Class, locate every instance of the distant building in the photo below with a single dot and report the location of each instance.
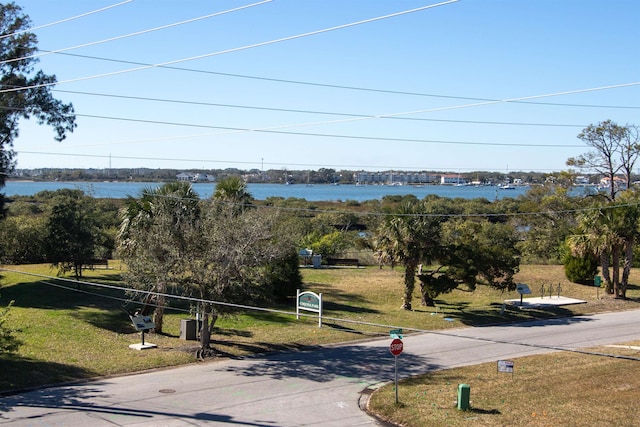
(194, 177)
(452, 180)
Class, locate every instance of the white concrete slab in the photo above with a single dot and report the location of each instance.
(140, 346)
(546, 301)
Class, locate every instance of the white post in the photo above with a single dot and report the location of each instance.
(320, 310)
(298, 304)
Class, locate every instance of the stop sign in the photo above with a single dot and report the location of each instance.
(396, 347)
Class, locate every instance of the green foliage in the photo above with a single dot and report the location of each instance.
(22, 240)
(580, 269)
(8, 342)
(17, 62)
(332, 244)
(283, 276)
(71, 234)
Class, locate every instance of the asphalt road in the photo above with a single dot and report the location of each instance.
(308, 388)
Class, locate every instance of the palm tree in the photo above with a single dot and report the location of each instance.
(408, 236)
(233, 189)
(609, 231)
(153, 239)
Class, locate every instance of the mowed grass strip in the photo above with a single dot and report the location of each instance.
(559, 389)
(82, 332)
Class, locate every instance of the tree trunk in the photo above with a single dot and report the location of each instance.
(409, 283)
(628, 263)
(158, 314)
(205, 332)
(207, 329)
(616, 269)
(604, 262)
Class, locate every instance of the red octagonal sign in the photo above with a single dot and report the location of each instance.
(396, 347)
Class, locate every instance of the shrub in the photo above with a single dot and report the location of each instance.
(580, 269)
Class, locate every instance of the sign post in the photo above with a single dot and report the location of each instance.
(142, 324)
(523, 290)
(396, 348)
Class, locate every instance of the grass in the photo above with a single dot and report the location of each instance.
(68, 335)
(559, 389)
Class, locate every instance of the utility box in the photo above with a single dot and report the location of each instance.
(317, 261)
(188, 329)
(464, 394)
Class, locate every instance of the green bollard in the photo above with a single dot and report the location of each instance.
(464, 393)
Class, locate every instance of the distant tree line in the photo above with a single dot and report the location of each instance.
(272, 176)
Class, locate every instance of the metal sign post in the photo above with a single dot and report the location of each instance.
(396, 348)
(142, 324)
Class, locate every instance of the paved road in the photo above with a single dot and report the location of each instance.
(310, 388)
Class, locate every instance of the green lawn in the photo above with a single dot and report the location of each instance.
(69, 335)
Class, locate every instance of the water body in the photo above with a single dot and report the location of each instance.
(360, 193)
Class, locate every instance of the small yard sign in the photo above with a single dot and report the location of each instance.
(505, 366)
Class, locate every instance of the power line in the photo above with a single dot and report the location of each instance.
(65, 20)
(355, 88)
(137, 33)
(287, 110)
(231, 50)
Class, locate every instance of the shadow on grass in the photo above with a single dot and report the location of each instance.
(23, 373)
(508, 315)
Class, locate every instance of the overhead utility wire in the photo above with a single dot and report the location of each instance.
(137, 33)
(237, 49)
(453, 107)
(288, 110)
(277, 129)
(66, 19)
(328, 135)
(356, 88)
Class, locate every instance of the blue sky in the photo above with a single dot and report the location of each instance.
(417, 91)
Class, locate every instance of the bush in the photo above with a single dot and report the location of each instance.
(8, 342)
(580, 269)
(284, 278)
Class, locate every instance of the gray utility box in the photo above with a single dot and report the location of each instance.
(188, 329)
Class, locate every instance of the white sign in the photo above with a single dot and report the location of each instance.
(505, 366)
(523, 289)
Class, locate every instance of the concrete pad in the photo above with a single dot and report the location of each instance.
(141, 346)
(546, 301)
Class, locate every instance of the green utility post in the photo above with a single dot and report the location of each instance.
(464, 393)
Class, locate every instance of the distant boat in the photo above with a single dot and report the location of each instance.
(507, 187)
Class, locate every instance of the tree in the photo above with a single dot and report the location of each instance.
(616, 149)
(233, 189)
(473, 251)
(238, 258)
(25, 92)
(154, 240)
(609, 231)
(71, 234)
(543, 235)
(408, 236)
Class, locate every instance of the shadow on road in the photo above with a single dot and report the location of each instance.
(370, 364)
(78, 399)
